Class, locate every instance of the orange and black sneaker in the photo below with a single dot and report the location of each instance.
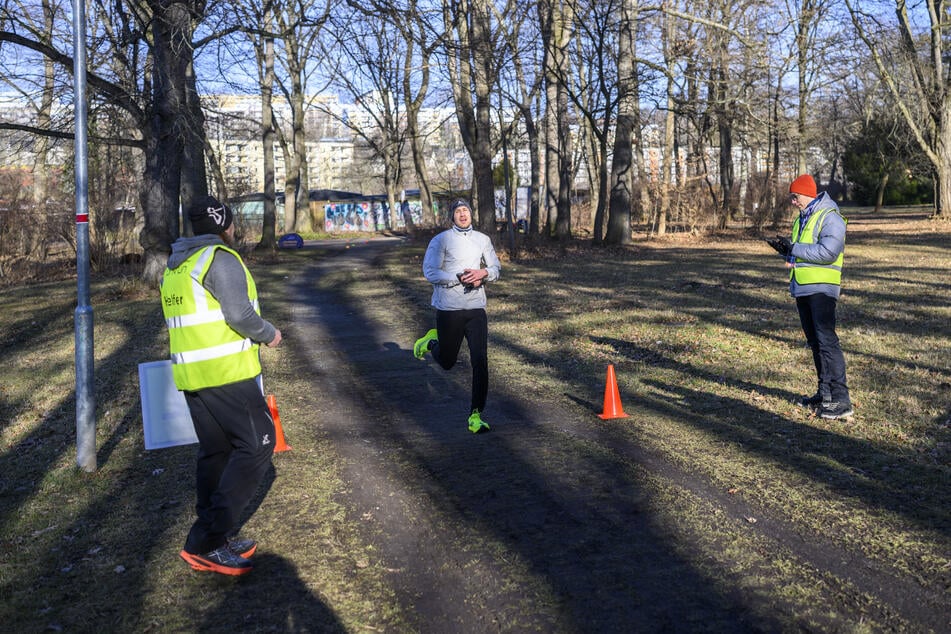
(243, 547)
(222, 560)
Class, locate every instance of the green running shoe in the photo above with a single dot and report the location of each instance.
(421, 347)
(476, 424)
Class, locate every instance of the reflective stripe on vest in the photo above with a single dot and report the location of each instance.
(205, 350)
(811, 272)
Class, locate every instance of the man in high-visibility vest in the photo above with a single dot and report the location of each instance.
(210, 303)
(814, 256)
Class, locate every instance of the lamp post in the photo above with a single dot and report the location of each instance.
(85, 383)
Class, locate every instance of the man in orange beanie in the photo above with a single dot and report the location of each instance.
(814, 256)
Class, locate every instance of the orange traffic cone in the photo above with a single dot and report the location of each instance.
(281, 444)
(612, 398)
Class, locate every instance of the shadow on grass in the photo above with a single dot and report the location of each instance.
(272, 598)
(588, 531)
(859, 469)
(851, 467)
(111, 565)
(746, 294)
(867, 471)
(36, 455)
(608, 561)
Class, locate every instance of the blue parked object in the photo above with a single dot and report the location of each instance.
(289, 240)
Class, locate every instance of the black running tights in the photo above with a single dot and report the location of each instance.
(473, 325)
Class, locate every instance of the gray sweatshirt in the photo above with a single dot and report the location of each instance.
(226, 281)
(450, 253)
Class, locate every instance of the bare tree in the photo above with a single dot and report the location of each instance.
(619, 224)
(520, 33)
(925, 101)
(152, 94)
(370, 68)
(470, 52)
(298, 28)
(711, 60)
(593, 93)
(262, 42)
(421, 38)
(723, 106)
(810, 42)
(556, 18)
(671, 53)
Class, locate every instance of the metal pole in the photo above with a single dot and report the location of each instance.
(85, 396)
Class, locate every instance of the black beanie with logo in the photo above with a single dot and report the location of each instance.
(208, 215)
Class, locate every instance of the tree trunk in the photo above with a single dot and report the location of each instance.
(556, 18)
(725, 130)
(299, 145)
(880, 192)
(774, 191)
(470, 66)
(943, 167)
(483, 61)
(724, 122)
(194, 176)
(268, 235)
(413, 104)
(563, 220)
(596, 160)
(536, 178)
(669, 160)
(291, 186)
(551, 154)
(619, 220)
(161, 183)
(669, 149)
(294, 145)
(803, 50)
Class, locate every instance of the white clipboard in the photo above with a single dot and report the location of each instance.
(165, 416)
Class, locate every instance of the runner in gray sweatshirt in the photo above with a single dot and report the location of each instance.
(458, 263)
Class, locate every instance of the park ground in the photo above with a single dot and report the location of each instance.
(715, 504)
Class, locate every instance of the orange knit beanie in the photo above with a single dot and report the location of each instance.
(804, 185)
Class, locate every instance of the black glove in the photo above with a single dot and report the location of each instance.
(467, 287)
(782, 245)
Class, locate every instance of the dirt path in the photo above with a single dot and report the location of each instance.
(546, 523)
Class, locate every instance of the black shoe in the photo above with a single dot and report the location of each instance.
(833, 411)
(813, 401)
(222, 560)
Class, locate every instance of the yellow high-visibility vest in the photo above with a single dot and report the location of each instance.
(811, 272)
(205, 350)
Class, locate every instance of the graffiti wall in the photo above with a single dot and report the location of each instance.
(415, 208)
(349, 216)
(367, 215)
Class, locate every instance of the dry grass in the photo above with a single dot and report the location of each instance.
(707, 347)
(709, 360)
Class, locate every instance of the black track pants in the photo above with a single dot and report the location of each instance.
(236, 439)
(472, 325)
(817, 315)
